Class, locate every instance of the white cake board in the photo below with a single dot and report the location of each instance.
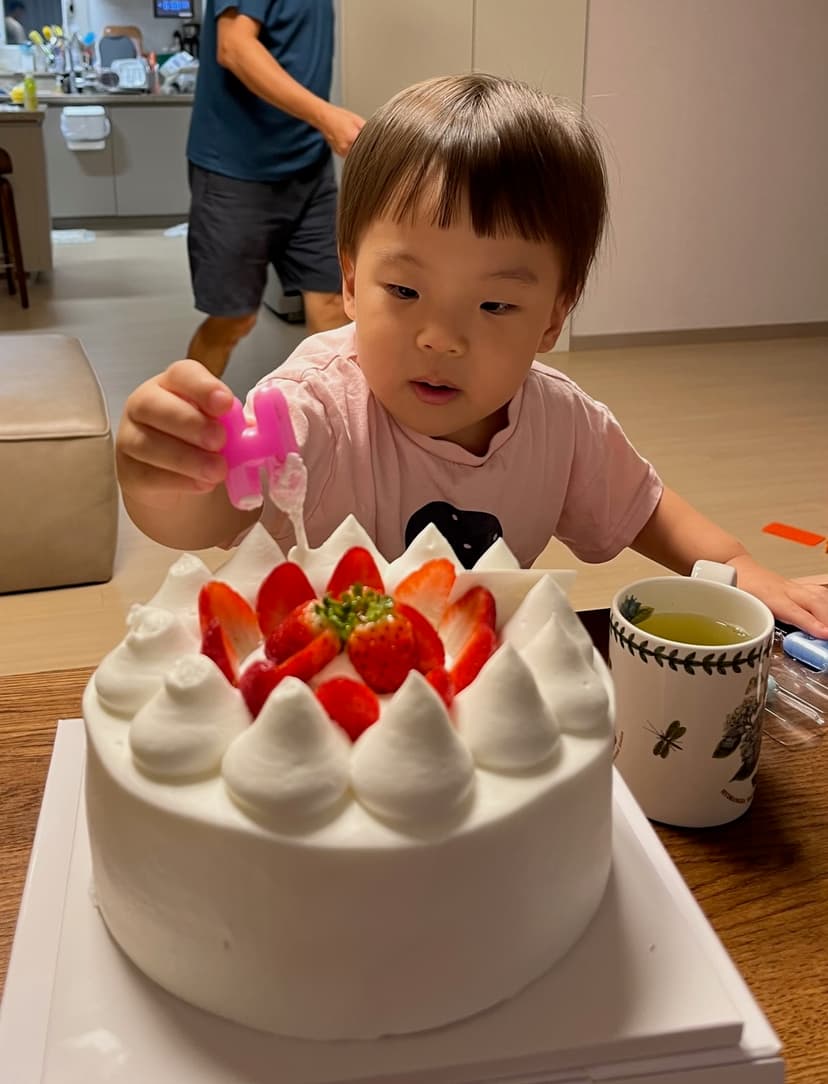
(647, 996)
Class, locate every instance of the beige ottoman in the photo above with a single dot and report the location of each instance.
(58, 495)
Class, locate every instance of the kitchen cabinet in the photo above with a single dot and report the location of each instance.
(21, 136)
(81, 183)
(140, 172)
(150, 164)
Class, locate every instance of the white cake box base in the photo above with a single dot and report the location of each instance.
(647, 996)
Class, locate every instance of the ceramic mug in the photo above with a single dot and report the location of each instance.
(688, 716)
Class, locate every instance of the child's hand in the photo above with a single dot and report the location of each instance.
(169, 440)
(802, 604)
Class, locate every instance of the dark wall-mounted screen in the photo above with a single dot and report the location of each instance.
(173, 9)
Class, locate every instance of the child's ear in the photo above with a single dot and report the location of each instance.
(559, 313)
(348, 272)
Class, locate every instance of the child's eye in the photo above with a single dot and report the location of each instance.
(404, 293)
(497, 308)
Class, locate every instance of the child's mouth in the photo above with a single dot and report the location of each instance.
(434, 394)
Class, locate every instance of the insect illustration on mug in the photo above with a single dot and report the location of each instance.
(667, 739)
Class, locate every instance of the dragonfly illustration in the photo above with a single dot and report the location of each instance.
(667, 739)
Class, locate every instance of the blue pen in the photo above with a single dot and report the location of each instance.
(807, 649)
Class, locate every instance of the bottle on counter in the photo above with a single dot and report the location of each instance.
(29, 93)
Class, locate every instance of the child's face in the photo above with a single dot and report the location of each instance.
(448, 323)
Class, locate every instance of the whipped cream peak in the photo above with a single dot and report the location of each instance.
(503, 718)
(498, 556)
(133, 671)
(429, 545)
(292, 762)
(546, 598)
(179, 591)
(184, 729)
(572, 687)
(319, 563)
(256, 555)
(411, 767)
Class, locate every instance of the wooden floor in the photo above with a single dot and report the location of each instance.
(739, 429)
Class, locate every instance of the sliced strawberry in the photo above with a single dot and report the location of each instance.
(356, 567)
(260, 679)
(257, 683)
(475, 607)
(383, 649)
(430, 653)
(218, 601)
(350, 704)
(473, 655)
(300, 626)
(281, 592)
(427, 589)
(440, 680)
(216, 645)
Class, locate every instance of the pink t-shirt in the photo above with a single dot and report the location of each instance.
(562, 466)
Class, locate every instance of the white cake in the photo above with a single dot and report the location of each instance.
(282, 876)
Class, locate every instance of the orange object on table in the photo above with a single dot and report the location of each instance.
(794, 534)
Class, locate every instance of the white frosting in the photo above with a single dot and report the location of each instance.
(411, 766)
(250, 562)
(134, 670)
(260, 886)
(179, 591)
(503, 718)
(184, 729)
(545, 599)
(288, 486)
(293, 761)
(568, 682)
(320, 563)
(497, 556)
(429, 545)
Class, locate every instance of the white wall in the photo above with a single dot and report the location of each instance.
(94, 15)
(714, 113)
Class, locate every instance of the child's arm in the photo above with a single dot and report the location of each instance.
(677, 535)
(169, 464)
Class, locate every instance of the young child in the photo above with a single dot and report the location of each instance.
(471, 209)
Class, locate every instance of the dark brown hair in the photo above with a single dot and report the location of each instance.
(521, 162)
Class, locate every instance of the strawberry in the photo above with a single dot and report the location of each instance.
(476, 650)
(218, 602)
(281, 592)
(350, 704)
(440, 680)
(430, 653)
(475, 607)
(427, 589)
(216, 645)
(356, 567)
(296, 630)
(259, 680)
(381, 643)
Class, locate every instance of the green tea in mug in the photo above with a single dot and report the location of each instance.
(697, 629)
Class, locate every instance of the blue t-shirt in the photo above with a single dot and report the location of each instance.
(236, 133)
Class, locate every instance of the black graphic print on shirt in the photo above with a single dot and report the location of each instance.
(468, 533)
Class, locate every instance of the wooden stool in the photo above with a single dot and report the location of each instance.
(10, 234)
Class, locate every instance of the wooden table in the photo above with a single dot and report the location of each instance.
(762, 880)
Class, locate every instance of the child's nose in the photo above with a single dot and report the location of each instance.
(438, 337)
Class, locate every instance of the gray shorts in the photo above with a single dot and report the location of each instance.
(237, 227)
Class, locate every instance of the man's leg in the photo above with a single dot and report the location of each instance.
(216, 338)
(230, 230)
(323, 312)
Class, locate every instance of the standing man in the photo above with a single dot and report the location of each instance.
(261, 172)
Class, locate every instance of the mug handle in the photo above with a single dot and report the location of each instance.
(713, 570)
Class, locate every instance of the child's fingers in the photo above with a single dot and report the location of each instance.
(161, 409)
(152, 448)
(190, 380)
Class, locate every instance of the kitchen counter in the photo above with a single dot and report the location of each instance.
(126, 98)
(16, 114)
